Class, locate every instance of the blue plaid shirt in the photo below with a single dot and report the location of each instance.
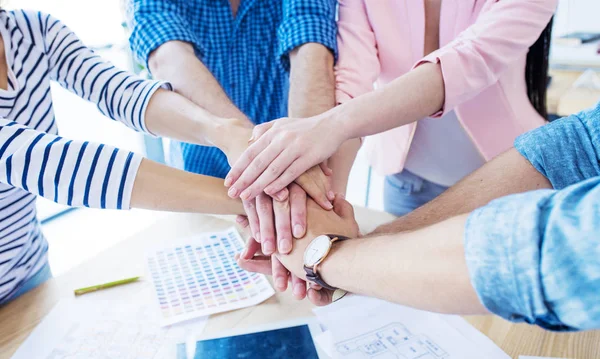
(535, 257)
(247, 54)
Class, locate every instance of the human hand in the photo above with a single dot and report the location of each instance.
(339, 221)
(315, 182)
(252, 259)
(274, 223)
(281, 152)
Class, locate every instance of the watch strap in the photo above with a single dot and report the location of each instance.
(312, 273)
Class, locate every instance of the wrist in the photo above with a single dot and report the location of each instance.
(338, 124)
(336, 269)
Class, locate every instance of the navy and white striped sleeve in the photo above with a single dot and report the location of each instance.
(74, 173)
(119, 94)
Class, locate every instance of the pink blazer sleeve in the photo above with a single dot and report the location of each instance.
(358, 66)
(501, 35)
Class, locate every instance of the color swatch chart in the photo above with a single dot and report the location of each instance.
(200, 276)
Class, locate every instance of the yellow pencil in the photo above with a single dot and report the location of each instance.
(105, 285)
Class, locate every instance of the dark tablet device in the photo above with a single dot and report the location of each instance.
(291, 343)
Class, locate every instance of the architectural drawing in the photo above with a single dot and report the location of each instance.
(393, 341)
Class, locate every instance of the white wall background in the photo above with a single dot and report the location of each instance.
(577, 15)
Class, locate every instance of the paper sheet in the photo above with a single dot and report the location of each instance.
(325, 342)
(87, 328)
(530, 357)
(364, 327)
(198, 276)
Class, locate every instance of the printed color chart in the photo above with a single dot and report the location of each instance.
(200, 277)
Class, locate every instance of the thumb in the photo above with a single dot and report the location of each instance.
(325, 168)
(342, 207)
(260, 130)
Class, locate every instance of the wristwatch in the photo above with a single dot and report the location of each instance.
(315, 254)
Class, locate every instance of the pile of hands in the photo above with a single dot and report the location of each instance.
(282, 222)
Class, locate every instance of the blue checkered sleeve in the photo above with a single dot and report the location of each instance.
(154, 22)
(306, 21)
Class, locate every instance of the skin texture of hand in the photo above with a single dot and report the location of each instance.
(275, 222)
(281, 152)
(339, 221)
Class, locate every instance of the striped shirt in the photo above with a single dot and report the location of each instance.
(34, 160)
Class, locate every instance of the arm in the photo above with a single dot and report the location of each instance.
(86, 174)
(529, 257)
(166, 63)
(444, 79)
(430, 261)
(163, 188)
(312, 91)
(161, 38)
(140, 104)
(308, 47)
(557, 155)
(456, 73)
(474, 191)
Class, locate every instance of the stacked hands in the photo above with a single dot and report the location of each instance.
(283, 203)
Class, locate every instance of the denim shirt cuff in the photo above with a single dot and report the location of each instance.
(503, 255)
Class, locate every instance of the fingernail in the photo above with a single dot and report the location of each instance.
(237, 256)
(280, 283)
(239, 219)
(243, 254)
(227, 182)
(280, 197)
(268, 247)
(329, 205)
(232, 192)
(298, 231)
(331, 195)
(257, 237)
(297, 289)
(245, 195)
(285, 246)
(342, 196)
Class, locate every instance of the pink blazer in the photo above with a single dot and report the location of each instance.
(483, 51)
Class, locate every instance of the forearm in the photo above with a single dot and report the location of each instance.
(312, 81)
(176, 62)
(312, 92)
(173, 116)
(159, 187)
(411, 97)
(506, 174)
(425, 269)
(341, 163)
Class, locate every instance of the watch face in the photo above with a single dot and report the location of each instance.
(317, 249)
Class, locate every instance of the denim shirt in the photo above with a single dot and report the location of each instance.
(535, 257)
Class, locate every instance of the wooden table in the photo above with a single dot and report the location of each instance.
(19, 318)
(563, 99)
